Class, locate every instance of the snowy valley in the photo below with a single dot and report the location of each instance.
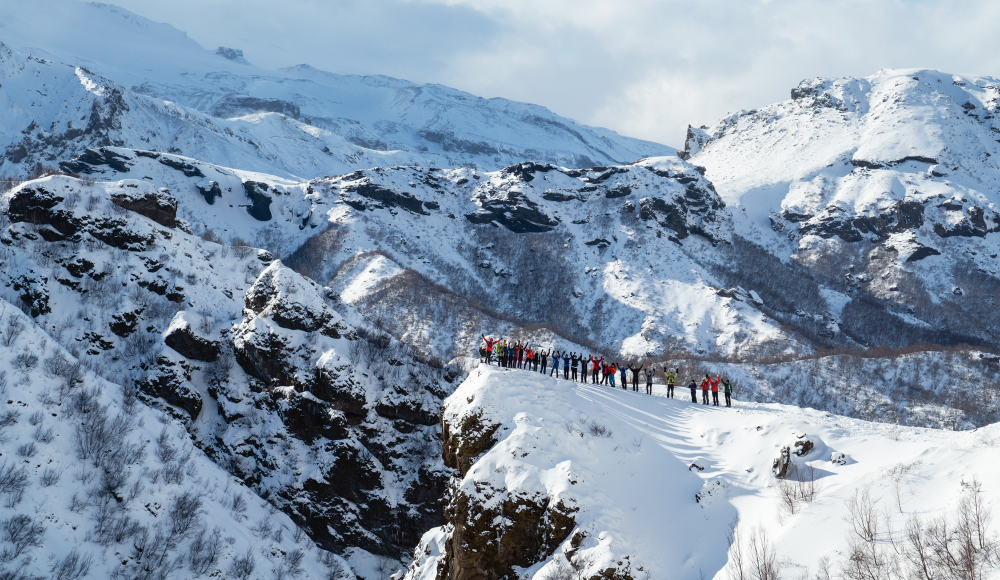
(240, 312)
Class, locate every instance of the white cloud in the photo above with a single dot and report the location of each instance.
(645, 68)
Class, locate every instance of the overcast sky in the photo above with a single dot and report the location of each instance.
(645, 68)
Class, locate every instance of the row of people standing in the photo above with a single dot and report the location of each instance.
(574, 365)
(510, 354)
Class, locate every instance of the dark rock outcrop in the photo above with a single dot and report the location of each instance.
(260, 208)
(159, 206)
(183, 338)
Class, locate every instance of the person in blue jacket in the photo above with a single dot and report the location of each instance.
(623, 370)
(555, 363)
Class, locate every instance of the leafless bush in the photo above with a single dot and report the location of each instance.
(27, 450)
(50, 477)
(73, 566)
(736, 565)
(13, 481)
(43, 435)
(598, 430)
(238, 506)
(173, 472)
(184, 513)
(165, 452)
(9, 418)
(241, 248)
(204, 550)
(263, 528)
(23, 533)
(243, 566)
(799, 485)
(99, 435)
(762, 558)
(25, 361)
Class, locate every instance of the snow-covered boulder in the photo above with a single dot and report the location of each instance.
(184, 336)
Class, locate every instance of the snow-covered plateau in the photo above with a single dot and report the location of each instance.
(564, 480)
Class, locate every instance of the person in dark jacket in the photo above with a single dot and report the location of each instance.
(635, 377)
(649, 380)
(694, 391)
(624, 371)
(565, 358)
(572, 364)
(545, 360)
(728, 388)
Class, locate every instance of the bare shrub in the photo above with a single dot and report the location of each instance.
(184, 513)
(43, 435)
(762, 558)
(598, 430)
(243, 566)
(36, 418)
(238, 506)
(8, 418)
(50, 476)
(73, 566)
(27, 450)
(23, 533)
(204, 550)
(241, 248)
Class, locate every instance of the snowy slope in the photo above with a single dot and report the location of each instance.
(97, 483)
(562, 480)
(884, 188)
(341, 443)
(298, 121)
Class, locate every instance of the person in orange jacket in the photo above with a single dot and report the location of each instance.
(706, 383)
(715, 390)
(611, 374)
(489, 347)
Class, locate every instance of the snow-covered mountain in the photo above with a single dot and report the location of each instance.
(615, 259)
(96, 74)
(883, 189)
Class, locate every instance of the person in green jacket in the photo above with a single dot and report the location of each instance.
(728, 388)
(671, 379)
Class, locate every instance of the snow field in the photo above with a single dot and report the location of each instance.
(627, 461)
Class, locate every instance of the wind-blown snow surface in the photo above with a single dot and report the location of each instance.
(78, 75)
(104, 479)
(632, 493)
(887, 184)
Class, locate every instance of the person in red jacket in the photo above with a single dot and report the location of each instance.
(489, 347)
(596, 364)
(520, 356)
(529, 355)
(706, 383)
(715, 390)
